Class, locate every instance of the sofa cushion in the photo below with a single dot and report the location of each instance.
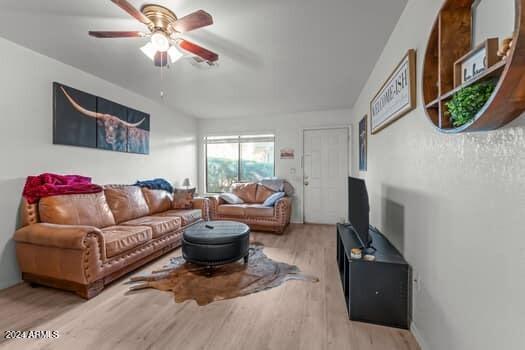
(76, 209)
(263, 193)
(126, 202)
(187, 216)
(159, 225)
(157, 200)
(270, 201)
(230, 198)
(245, 191)
(258, 210)
(120, 239)
(182, 198)
(231, 209)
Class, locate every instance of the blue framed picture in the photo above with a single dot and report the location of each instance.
(363, 143)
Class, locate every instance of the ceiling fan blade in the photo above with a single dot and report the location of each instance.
(195, 49)
(192, 21)
(116, 34)
(161, 59)
(126, 6)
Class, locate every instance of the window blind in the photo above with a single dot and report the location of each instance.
(240, 139)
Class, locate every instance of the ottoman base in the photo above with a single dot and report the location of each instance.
(216, 254)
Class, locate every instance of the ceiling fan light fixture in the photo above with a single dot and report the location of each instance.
(174, 54)
(149, 50)
(164, 27)
(160, 41)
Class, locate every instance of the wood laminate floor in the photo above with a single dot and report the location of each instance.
(296, 315)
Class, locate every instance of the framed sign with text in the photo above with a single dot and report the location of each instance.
(476, 61)
(397, 96)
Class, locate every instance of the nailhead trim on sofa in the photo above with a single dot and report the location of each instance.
(277, 223)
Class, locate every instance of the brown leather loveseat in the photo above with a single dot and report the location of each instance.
(82, 242)
(252, 212)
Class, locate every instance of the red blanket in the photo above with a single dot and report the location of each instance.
(46, 184)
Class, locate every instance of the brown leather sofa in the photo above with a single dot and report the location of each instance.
(252, 212)
(82, 242)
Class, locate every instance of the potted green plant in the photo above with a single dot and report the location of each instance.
(468, 101)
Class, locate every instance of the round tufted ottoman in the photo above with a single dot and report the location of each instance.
(214, 243)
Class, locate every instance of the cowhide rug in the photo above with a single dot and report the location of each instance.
(188, 281)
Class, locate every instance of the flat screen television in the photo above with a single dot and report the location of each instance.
(359, 210)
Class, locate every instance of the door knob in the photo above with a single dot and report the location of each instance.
(306, 183)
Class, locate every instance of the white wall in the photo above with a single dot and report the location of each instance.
(455, 206)
(493, 19)
(26, 143)
(288, 130)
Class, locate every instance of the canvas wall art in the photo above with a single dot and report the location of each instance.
(363, 144)
(71, 126)
(112, 133)
(82, 119)
(138, 137)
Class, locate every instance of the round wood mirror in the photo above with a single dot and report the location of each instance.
(449, 45)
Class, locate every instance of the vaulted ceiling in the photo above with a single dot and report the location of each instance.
(276, 56)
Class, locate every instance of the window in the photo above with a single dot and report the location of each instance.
(231, 159)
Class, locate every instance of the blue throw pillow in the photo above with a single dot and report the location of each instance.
(270, 201)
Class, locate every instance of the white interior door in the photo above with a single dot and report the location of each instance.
(325, 175)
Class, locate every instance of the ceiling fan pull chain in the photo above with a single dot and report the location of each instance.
(161, 79)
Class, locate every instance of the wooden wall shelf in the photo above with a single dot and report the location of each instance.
(450, 40)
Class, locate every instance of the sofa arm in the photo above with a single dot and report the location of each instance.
(204, 205)
(58, 236)
(283, 210)
(215, 201)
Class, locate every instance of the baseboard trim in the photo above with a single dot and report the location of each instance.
(10, 283)
(419, 337)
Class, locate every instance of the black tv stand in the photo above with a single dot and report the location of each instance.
(375, 291)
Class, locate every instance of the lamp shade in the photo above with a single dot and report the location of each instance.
(160, 41)
(174, 54)
(186, 182)
(149, 50)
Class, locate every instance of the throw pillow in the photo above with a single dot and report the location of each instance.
(182, 198)
(230, 198)
(270, 201)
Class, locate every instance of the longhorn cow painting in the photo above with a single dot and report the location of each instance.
(81, 119)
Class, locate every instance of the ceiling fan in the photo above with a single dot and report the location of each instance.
(164, 33)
